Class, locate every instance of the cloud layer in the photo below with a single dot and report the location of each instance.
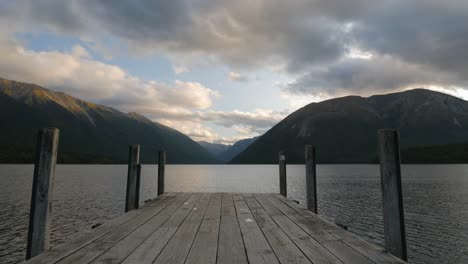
(298, 34)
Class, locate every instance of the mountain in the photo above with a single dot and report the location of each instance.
(89, 133)
(215, 149)
(237, 148)
(344, 130)
(225, 153)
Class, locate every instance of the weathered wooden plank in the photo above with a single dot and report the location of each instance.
(282, 174)
(285, 249)
(325, 239)
(205, 245)
(161, 171)
(133, 188)
(97, 247)
(177, 249)
(392, 200)
(224, 228)
(256, 245)
(311, 178)
(118, 252)
(41, 197)
(314, 251)
(61, 251)
(374, 253)
(149, 250)
(230, 246)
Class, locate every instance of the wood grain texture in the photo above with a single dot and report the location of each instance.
(97, 247)
(314, 251)
(218, 228)
(257, 247)
(150, 249)
(311, 178)
(285, 249)
(370, 251)
(131, 198)
(122, 249)
(205, 245)
(231, 248)
(392, 197)
(179, 246)
(41, 197)
(59, 252)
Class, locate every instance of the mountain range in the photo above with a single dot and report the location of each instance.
(89, 133)
(433, 128)
(225, 152)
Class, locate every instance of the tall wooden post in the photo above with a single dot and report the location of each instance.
(161, 171)
(392, 201)
(282, 173)
(131, 201)
(41, 198)
(311, 178)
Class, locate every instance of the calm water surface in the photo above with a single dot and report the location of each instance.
(435, 199)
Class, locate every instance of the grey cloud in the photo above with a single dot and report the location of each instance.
(369, 75)
(415, 42)
(425, 32)
(241, 33)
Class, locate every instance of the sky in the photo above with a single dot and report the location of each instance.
(225, 70)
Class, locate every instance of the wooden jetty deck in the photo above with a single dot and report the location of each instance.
(217, 228)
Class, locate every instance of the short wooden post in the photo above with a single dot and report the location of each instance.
(282, 173)
(137, 187)
(392, 201)
(161, 171)
(131, 201)
(41, 198)
(311, 178)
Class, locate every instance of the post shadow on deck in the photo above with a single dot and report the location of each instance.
(132, 200)
(392, 201)
(41, 198)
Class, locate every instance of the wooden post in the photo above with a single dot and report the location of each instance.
(161, 170)
(137, 187)
(41, 198)
(311, 178)
(392, 201)
(131, 201)
(282, 174)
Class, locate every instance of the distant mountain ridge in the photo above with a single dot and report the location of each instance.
(344, 130)
(216, 149)
(225, 153)
(89, 133)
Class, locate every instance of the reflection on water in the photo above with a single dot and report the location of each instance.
(435, 199)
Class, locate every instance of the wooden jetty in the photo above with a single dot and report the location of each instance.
(219, 227)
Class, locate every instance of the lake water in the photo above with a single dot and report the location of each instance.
(435, 200)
